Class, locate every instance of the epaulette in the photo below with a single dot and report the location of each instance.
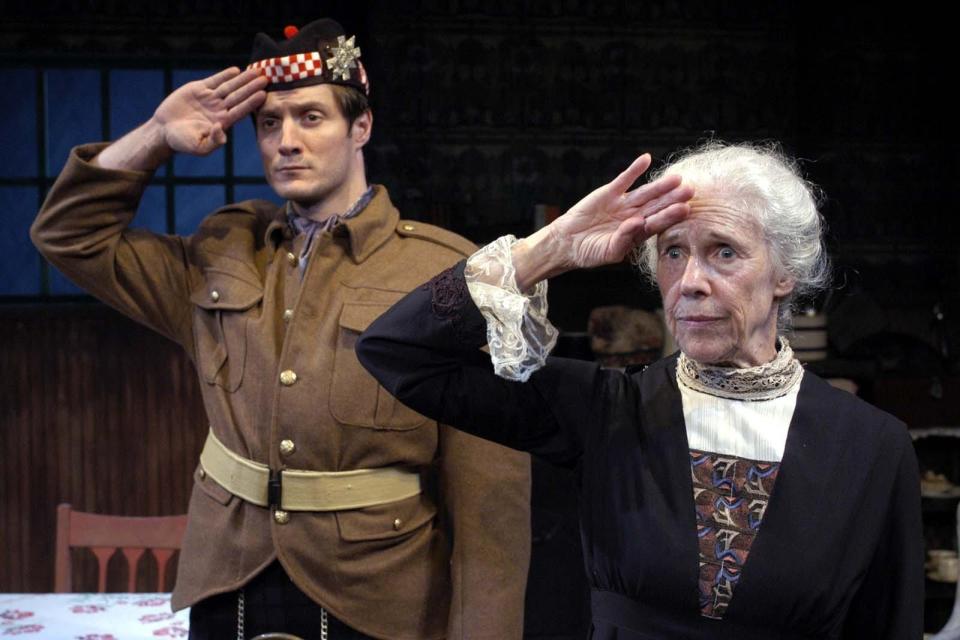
(252, 214)
(263, 209)
(430, 233)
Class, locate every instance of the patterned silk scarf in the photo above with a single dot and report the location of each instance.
(313, 228)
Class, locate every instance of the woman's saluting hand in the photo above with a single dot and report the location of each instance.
(603, 226)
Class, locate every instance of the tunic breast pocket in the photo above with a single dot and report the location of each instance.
(356, 399)
(221, 312)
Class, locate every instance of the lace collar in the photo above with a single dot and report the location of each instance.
(767, 381)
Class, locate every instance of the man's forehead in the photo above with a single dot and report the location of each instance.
(312, 94)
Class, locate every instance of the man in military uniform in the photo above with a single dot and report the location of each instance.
(322, 506)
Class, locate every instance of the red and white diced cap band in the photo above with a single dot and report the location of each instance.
(290, 68)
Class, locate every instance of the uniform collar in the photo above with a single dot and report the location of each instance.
(365, 232)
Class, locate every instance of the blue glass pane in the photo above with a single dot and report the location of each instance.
(73, 113)
(152, 213)
(18, 135)
(246, 156)
(19, 261)
(60, 286)
(243, 192)
(134, 96)
(194, 203)
(186, 165)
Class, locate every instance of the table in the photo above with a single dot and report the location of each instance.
(90, 616)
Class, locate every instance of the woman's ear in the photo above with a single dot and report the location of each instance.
(784, 286)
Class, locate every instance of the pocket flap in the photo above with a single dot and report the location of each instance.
(211, 487)
(226, 291)
(357, 316)
(386, 520)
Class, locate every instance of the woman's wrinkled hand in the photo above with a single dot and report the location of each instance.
(610, 221)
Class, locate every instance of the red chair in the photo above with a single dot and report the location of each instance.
(104, 535)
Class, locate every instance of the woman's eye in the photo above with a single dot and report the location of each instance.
(727, 253)
(672, 252)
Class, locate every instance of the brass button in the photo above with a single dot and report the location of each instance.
(287, 377)
(407, 227)
(397, 524)
(292, 259)
(203, 474)
(281, 517)
(214, 295)
(287, 447)
(287, 315)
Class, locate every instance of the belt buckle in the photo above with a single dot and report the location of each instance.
(275, 489)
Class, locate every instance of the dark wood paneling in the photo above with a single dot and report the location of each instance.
(96, 411)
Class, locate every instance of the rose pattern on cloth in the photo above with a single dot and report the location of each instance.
(23, 629)
(15, 614)
(90, 616)
(88, 608)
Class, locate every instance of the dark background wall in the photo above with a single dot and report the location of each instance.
(482, 111)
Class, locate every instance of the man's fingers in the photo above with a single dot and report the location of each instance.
(244, 91)
(251, 103)
(218, 136)
(238, 82)
(623, 181)
(219, 78)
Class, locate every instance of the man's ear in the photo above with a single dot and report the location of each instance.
(362, 128)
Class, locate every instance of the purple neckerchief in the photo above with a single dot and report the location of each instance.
(300, 224)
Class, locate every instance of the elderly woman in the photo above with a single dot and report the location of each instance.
(725, 491)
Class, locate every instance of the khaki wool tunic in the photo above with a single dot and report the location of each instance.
(274, 353)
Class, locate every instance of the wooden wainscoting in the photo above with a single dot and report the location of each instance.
(96, 411)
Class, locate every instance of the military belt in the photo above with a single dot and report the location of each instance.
(301, 490)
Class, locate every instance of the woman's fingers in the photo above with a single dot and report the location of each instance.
(623, 181)
(641, 195)
(664, 218)
(679, 194)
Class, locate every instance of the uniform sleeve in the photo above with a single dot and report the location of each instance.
(485, 491)
(82, 230)
(425, 350)
(889, 603)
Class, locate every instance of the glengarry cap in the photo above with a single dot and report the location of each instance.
(318, 53)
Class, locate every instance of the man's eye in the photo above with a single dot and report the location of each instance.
(314, 117)
(268, 123)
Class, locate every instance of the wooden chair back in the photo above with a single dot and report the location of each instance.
(105, 534)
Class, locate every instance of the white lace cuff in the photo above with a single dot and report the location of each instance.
(518, 332)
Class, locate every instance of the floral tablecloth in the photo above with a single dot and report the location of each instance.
(90, 616)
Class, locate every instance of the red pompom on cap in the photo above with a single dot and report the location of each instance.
(290, 31)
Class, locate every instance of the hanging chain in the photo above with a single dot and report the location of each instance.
(240, 603)
(240, 621)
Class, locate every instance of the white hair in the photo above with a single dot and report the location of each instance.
(763, 182)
